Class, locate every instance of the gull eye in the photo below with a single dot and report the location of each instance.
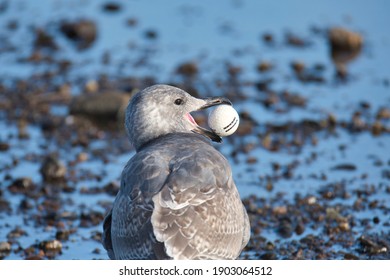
(179, 101)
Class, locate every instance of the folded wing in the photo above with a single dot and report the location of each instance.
(198, 213)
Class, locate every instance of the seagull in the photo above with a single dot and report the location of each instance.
(177, 198)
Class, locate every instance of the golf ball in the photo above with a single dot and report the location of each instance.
(223, 120)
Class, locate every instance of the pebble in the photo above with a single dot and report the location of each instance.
(91, 86)
(5, 249)
(82, 157)
(376, 220)
(311, 200)
(300, 228)
(62, 235)
(4, 146)
(370, 247)
(268, 256)
(298, 66)
(383, 113)
(377, 128)
(16, 233)
(112, 7)
(344, 226)
(188, 69)
(52, 169)
(345, 46)
(5, 205)
(264, 66)
(344, 39)
(96, 251)
(345, 167)
(44, 40)
(82, 32)
(51, 245)
(268, 38)
(23, 185)
(349, 256)
(285, 228)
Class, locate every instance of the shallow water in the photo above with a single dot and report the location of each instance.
(212, 34)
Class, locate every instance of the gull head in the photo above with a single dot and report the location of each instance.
(163, 109)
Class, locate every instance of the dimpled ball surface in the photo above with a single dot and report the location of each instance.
(224, 120)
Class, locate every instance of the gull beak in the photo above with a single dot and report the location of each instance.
(210, 102)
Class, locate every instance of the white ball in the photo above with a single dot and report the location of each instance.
(224, 120)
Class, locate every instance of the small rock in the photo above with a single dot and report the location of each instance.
(267, 141)
(96, 235)
(279, 210)
(4, 146)
(377, 128)
(269, 246)
(111, 188)
(132, 22)
(82, 32)
(82, 157)
(342, 39)
(344, 226)
(269, 186)
(298, 66)
(100, 106)
(345, 167)
(371, 247)
(25, 204)
(92, 86)
(263, 85)
(245, 128)
(44, 40)
(264, 66)
(285, 228)
(16, 233)
(151, 34)
(345, 46)
(293, 99)
(50, 245)
(333, 214)
(188, 69)
(4, 205)
(23, 129)
(268, 38)
(268, 256)
(112, 7)
(349, 256)
(251, 160)
(51, 248)
(294, 40)
(5, 246)
(298, 255)
(23, 185)
(332, 120)
(93, 218)
(300, 228)
(311, 200)
(5, 249)
(96, 251)
(62, 235)
(52, 169)
(33, 253)
(383, 113)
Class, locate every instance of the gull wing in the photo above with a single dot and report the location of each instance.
(198, 213)
(128, 233)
